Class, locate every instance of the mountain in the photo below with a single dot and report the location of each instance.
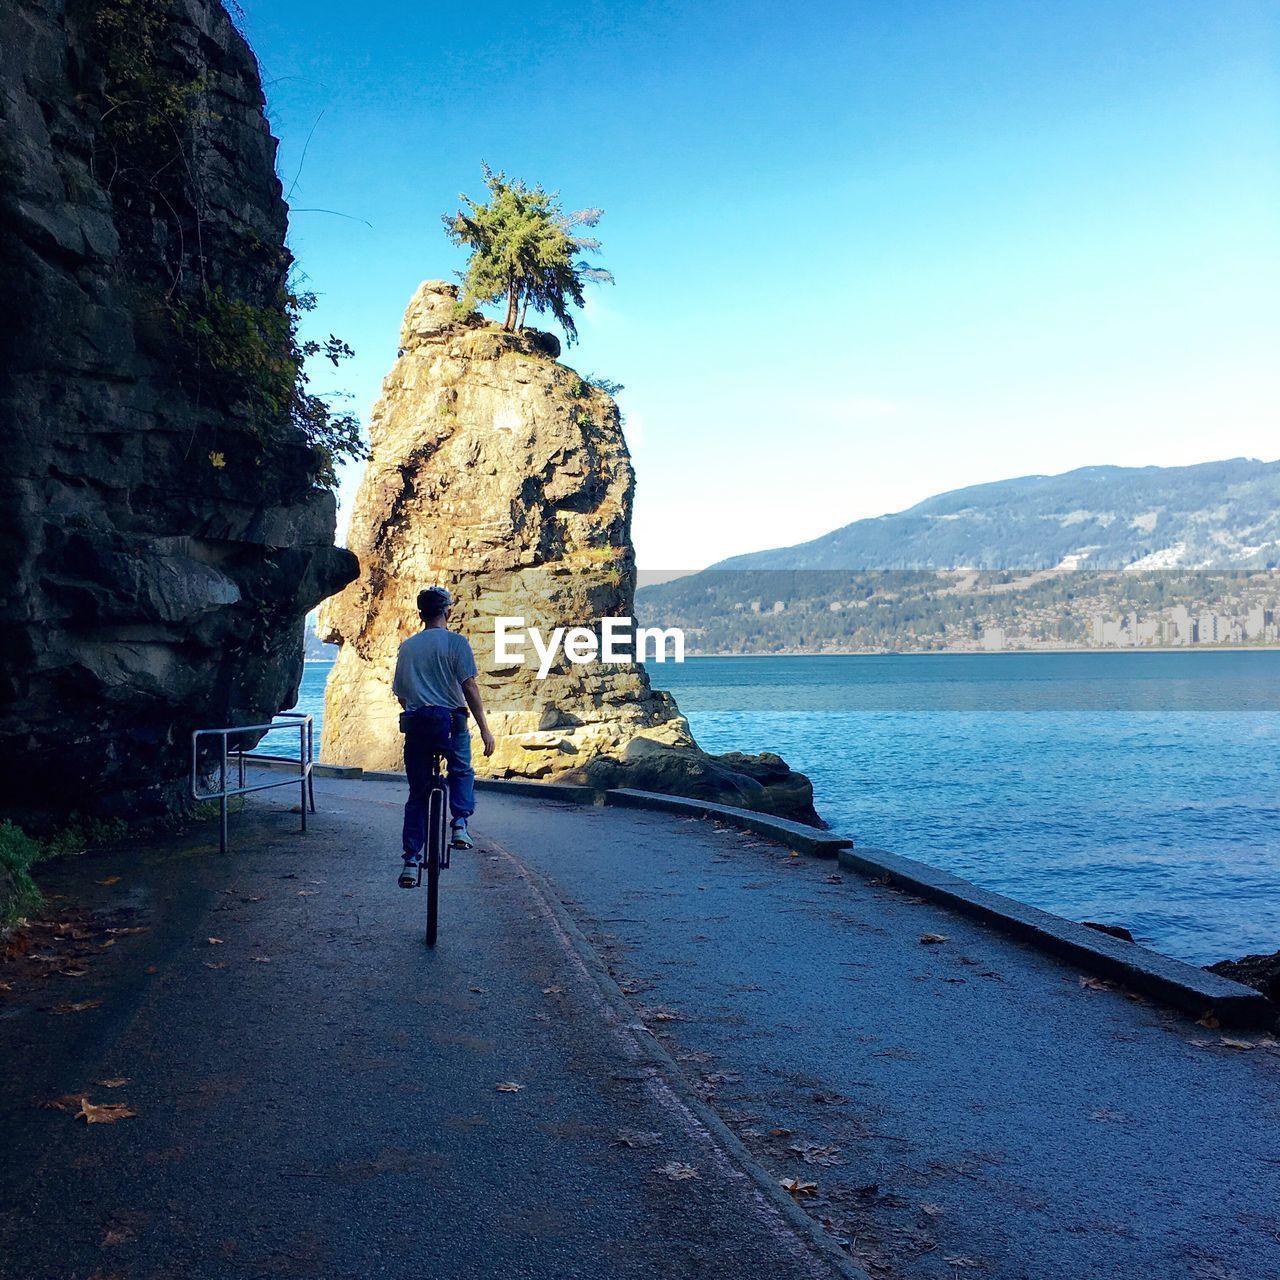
(1221, 515)
(1102, 556)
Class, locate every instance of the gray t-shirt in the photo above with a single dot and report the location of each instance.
(431, 667)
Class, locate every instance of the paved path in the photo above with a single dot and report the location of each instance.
(316, 1092)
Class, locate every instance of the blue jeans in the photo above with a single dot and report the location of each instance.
(417, 764)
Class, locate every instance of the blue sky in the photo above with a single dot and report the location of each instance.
(865, 252)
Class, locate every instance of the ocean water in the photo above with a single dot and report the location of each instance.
(1137, 789)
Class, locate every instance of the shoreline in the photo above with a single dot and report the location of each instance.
(985, 653)
(946, 653)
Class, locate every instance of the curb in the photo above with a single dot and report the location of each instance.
(651, 1047)
(795, 835)
(570, 792)
(1170, 981)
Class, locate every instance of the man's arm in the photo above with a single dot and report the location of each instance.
(471, 691)
(397, 682)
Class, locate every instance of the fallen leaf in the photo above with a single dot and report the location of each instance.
(118, 1235)
(214, 964)
(779, 1133)
(476, 990)
(1095, 984)
(1208, 1021)
(260, 959)
(115, 1082)
(933, 1210)
(104, 1113)
(815, 1153)
(798, 1188)
(306, 893)
(78, 1006)
(508, 1086)
(930, 938)
(6, 986)
(678, 1172)
(637, 1138)
(109, 880)
(835, 879)
(68, 1102)
(215, 942)
(151, 969)
(137, 928)
(254, 899)
(1228, 1043)
(74, 971)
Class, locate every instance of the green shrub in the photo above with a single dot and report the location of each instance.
(18, 892)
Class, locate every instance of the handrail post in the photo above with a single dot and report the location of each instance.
(311, 760)
(302, 771)
(222, 798)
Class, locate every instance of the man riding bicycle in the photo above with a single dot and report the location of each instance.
(436, 678)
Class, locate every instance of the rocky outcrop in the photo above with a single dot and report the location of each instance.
(499, 472)
(161, 546)
(1260, 971)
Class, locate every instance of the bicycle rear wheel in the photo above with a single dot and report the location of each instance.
(437, 833)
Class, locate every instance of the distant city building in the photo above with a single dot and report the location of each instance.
(993, 638)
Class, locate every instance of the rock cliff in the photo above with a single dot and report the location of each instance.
(499, 472)
(162, 539)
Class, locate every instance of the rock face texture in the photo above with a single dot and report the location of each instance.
(499, 472)
(160, 549)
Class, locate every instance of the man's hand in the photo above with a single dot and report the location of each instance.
(486, 739)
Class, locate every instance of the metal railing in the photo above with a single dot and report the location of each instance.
(225, 755)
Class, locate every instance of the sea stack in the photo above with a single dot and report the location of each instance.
(504, 475)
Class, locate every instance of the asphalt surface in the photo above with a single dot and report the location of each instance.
(317, 1093)
(989, 1112)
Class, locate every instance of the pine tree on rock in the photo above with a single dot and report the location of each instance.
(525, 250)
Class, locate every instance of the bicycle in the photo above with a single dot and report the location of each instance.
(437, 842)
(436, 850)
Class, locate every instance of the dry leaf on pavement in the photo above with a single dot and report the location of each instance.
(637, 1138)
(78, 1006)
(678, 1172)
(508, 1086)
(104, 1113)
(815, 1153)
(798, 1188)
(1090, 983)
(928, 938)
(115, 1082)
(215, 942)
(109, 880)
